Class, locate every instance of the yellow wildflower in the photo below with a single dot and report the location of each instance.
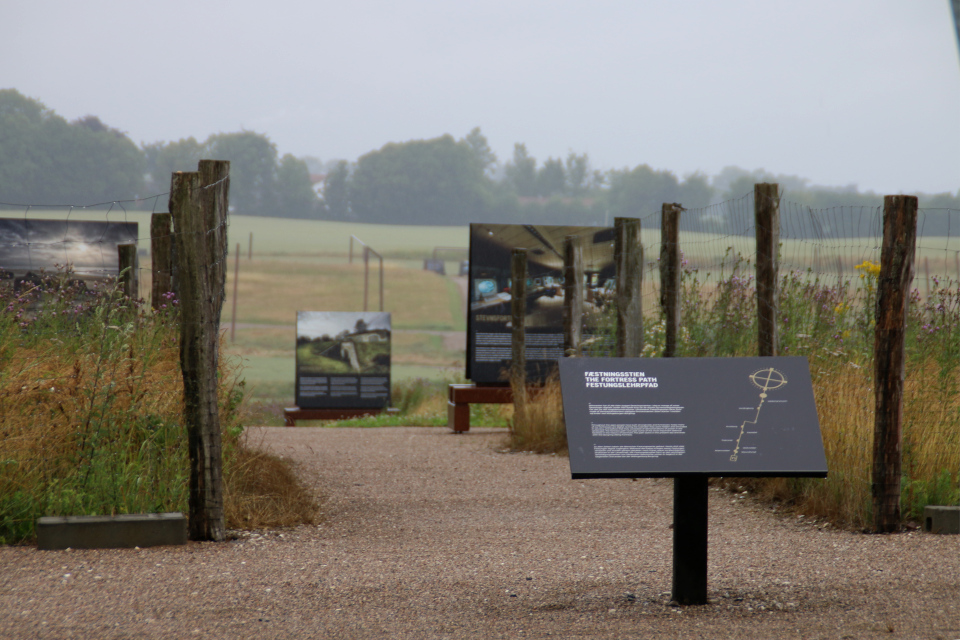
(868, 268)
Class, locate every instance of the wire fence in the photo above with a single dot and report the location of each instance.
(828, 267)
(829, 264)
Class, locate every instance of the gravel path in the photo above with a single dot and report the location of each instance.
(432, 535)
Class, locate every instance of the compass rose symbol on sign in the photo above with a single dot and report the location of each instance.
(765, 380)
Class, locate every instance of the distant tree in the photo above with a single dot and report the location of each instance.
(295, 195)
(434, 181)
(640, 191)
(45, 160)
(521, 171)
(481, 150)
(577, 173)
(164, 158)
(336, 192)
(695, 191)
(361, 326)
(551, 178)
(253, 170)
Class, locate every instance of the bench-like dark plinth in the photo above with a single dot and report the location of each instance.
(461, 396)
(111, 532)
(292, 414)
(937, 519)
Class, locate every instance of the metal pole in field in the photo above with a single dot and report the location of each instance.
(366, 275)
(381, 281)
(236, 279)
(249, 248)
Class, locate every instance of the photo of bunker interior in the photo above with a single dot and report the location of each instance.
(491, 246)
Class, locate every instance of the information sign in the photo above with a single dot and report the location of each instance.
(29, 247)
(489, 319)
(343, 360)
(666, 417)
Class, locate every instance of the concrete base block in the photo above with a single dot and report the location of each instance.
(111, 532)
(941, 519)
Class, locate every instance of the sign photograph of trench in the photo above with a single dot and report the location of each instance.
(488, 321)
(343, 360)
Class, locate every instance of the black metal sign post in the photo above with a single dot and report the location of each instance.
(691, 419)
(690, 539)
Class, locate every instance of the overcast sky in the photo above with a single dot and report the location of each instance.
(863, 92)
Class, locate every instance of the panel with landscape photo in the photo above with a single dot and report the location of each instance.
(343, 360)
(85, 251)
(489, 326)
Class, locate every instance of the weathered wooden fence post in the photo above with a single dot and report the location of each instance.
(198, 203)
(161, 257)
(518, 343)
(572, 295)
(250, 248)
(670, 275)
(893, 297)
(628, 257)
(766, 204)
(127, 261)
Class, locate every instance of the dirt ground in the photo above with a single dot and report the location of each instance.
(433, 535)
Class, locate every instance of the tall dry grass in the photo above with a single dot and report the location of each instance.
(831, 323)
(91, 405)
(540, 427)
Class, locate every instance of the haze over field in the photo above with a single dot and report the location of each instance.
(863, 92)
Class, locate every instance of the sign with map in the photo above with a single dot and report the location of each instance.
(343, 360)
(664, 417)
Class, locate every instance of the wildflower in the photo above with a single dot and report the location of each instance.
(868, 268)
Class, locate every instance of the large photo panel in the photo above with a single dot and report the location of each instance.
(30, 248)
(488, 320)
(343, 360)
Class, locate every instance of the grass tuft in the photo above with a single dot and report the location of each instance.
(92, 402)
(541, 429)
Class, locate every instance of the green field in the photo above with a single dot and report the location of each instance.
(305, 265)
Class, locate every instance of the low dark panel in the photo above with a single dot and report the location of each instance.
(665, 417)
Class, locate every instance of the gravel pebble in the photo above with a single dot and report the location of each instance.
(433, 535)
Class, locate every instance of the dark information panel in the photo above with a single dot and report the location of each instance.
(489, 331)
(343, 360)
(664, 417)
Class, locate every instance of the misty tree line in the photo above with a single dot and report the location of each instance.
(442, 181)
(45, 160)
